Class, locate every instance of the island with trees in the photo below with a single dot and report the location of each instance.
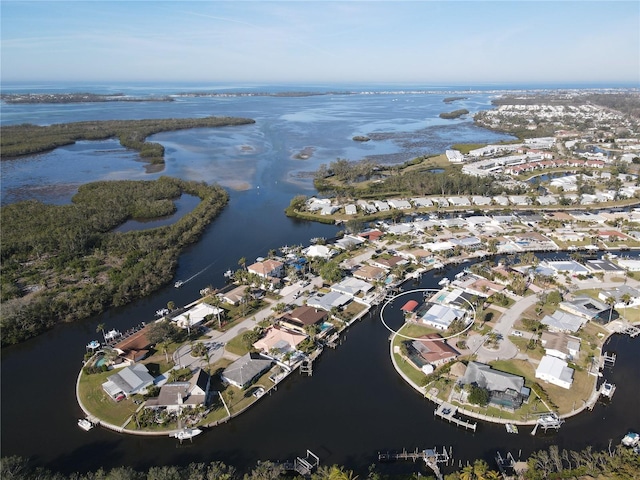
(62, 263)
(28, 139)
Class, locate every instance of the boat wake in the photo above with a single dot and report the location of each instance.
(180, 283)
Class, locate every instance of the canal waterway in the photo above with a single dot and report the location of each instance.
(355, 404)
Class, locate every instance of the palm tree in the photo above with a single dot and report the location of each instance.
(611, 301)
(242, 262)
(626, 299)
(100, 328)
(216, 302)
(480, 469)
(164, 345)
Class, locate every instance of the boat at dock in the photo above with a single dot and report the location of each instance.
(631, 439)
(85, 424)
(607, 389)
(511, 428)
(186, 434)
(444, 281)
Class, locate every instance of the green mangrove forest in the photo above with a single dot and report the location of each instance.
(61, 263)
(28, 139)
(552, 463)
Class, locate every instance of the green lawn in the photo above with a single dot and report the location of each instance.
(237, 346)
(99, 403)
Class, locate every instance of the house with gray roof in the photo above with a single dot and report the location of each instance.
(328, 301)
(177, 395)
(561, 321)
(246, 370)
(505, 389)
(351, 286)
(128, 381)
(589, 309)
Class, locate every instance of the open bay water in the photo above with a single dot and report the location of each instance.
(355, 404)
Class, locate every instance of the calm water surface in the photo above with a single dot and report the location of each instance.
(355, 404)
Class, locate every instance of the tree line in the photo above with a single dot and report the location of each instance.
(28, 139)
(550, 463)
(62, 263)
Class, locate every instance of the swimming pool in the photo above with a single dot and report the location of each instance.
(101, 361)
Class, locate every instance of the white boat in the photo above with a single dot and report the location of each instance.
(186, 434)
(631, 439)
(178, 284)
(85, 424)
(607, 389)
(444, 281)
(511, 428)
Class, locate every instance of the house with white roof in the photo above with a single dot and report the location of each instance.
(454, 156)
(350, 209)
(196, 315)
(555, 371)
(519, 200)
(399, 204)
(422, 202)
(366, 206)
(352, 287)
(501, 200)
(320, 251)
(441, 316)
(480, 200)
(381, 206)
(459, 201)
(348, 242)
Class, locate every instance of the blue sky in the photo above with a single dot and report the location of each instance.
(430, 42)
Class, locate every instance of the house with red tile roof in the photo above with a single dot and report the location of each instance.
(267, 268)
(434, 350)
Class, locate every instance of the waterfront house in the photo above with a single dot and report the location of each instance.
(128, 381)
(196, 315)
(589, 308)
(302, 317)
(388, 262)
(618, 293)
(560, 345)
(267, 268)
(246, 370)
(279, 340)
(370, 273)
(328, 301)
(433, 350)
(133, 347)
(555, 371)
(319, 251)
(441, 316)
(349, 242)
(352, 287)
(505, 389)
(234, 297)
(175, 396)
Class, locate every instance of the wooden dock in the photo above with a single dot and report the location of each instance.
(447, 412)
(608, 359)
(506, 464)
(304, 466)
(547, 421)
(430, 456)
